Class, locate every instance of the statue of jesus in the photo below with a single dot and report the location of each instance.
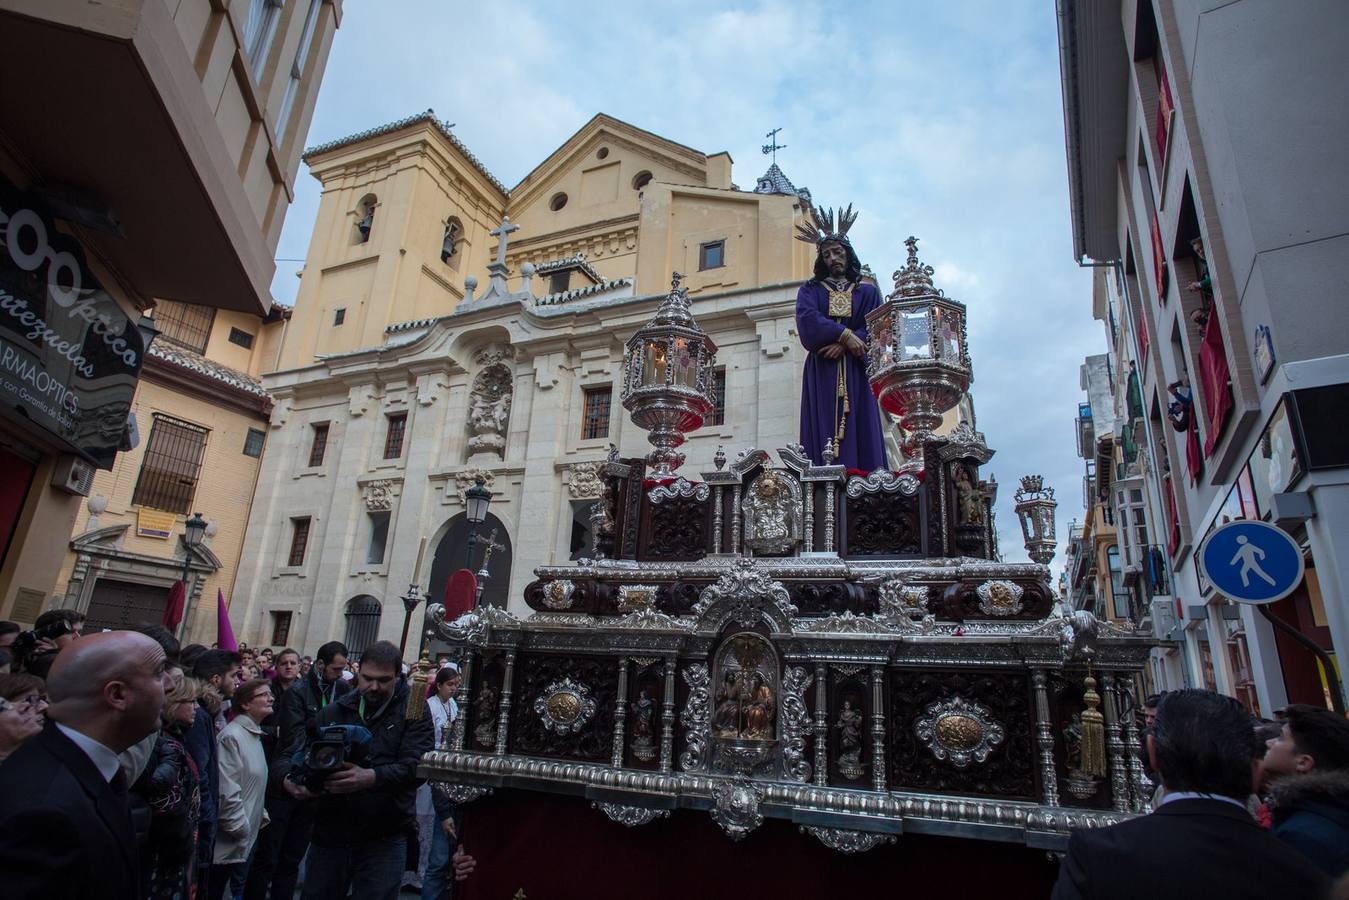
(836, 400)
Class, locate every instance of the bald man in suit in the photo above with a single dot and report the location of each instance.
(65, 826)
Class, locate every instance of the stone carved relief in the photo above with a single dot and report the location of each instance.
(771, 513)
(467, 478)
(489, 405)
(584, 480)
(379, 495)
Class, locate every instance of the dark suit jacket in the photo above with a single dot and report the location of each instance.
(63, 830)
(1190, 850)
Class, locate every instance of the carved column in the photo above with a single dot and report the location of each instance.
(735, 519)
(808, 492)
(829, 546)
(1044, 736)
(1138, 782)
(620, 711)
(504, 716)
(667, 717)
(821, 723)
(878, 727)
(716, 518)
(1119, 784)
(461, 698)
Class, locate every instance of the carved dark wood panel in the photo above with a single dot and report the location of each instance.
(831, 598)
(533, 675)
(630, 504)
(884, 525)
(675, 529)
(1009, 770)
(678, 598)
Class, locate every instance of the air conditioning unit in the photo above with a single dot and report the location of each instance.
(73, 475)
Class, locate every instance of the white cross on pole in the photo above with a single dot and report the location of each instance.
(502, 232)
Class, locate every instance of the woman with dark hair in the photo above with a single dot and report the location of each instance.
(243, 784)
(23, 704)
(171, 787)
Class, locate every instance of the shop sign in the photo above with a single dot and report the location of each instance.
(69, 355)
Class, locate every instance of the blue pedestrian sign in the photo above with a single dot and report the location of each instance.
(1252, 562)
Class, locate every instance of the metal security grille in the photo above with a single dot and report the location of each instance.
(168, 476)
(320, 445)
(597, 403)
(299, 541)
(718, 398)
(362, 624)
(281, 628)
(393, 439)
(185, 324)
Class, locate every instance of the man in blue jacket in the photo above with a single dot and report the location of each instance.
(1307, 768)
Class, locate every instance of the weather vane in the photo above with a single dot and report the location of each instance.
(773, 147)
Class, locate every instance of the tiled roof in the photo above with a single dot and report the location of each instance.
(428, 116)
(396, 327)
(774, 181)
(578, 293)
(569, 262)
(195, 362)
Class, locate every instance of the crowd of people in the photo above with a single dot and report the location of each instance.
(205, 772)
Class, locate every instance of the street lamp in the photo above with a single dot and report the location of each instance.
(1035, 505)
(476, 501)
(194, 529)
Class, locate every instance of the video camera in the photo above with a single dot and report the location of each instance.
(334, 746)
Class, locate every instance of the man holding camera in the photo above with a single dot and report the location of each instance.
(363, 805)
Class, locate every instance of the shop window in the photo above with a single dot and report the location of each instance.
(393, 436)
(185, 324)
(595, 423)
(299, 541)
(318, 444)
(711, 255)
(172, 464)
(253, 442)
(281, 628)
(379, 538)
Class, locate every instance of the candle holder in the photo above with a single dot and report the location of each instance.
(918, 362)
(667, 379)
(1035, 505)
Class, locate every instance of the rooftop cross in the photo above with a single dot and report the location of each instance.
(502, 232)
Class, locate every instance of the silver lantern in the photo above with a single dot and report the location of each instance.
(1035, 505)
(918, 362)
(667, 379)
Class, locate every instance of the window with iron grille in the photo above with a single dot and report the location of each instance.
(253, 443)
(339, 315)
(168, 476)
(242, 338)
(281, 628)
(596, 421)
(299, 541)
(319, 446)
(718, 416)
(393, 438)
(184, 324)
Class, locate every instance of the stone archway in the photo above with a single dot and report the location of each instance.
(451, 555)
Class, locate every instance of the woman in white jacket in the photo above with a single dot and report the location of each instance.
(243, 787)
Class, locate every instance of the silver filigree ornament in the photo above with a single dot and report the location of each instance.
(565, 706)
(795, 720)
(632, 597)
(696, 718)
(883, 481)
(960, 731)
(748, 596)
(461, 793)
(1000, 598)
(630, 815)
(557, 594)
(737, 807)
(848, 840)
(681, 487)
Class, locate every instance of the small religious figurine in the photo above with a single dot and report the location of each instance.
(770, 515)
(485, 711)
(969, 504)
(726, 719)
(849, 727)
(831, 308)
(644, 714)
(760, 712)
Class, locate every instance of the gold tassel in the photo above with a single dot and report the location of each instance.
(1093, 731)
(842, 394)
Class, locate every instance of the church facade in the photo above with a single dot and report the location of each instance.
(433, 344)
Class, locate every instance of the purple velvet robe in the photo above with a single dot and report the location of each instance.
(863, 445)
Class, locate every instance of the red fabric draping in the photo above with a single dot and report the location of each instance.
(649, 483)
(1143, 342)
(560, 848)
(224, 634)
(1215, 392)
(1165, 107)
(461, 593)
(1159, 260)
(173, 611)
(1172, 518)
(1194, 457)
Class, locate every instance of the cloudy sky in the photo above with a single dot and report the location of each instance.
(943, 120)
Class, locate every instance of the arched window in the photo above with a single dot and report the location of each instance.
(641, 180)
(450, 240)
(363, 613)
(365, 223)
